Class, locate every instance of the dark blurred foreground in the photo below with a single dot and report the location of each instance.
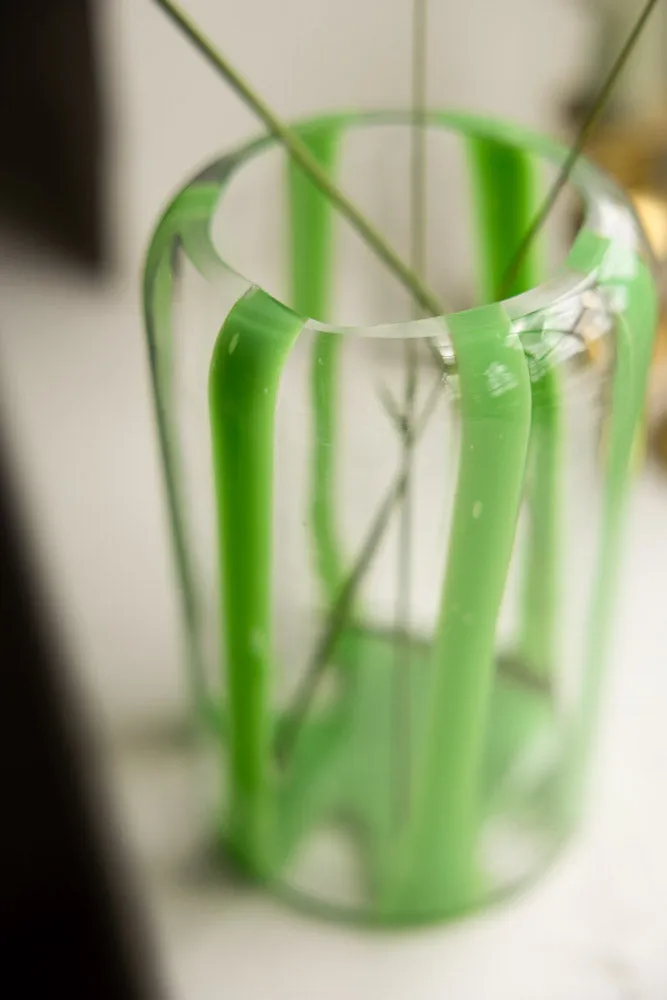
(68, 923)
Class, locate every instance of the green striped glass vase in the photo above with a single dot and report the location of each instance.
(396, 536)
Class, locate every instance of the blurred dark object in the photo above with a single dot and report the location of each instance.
(52, 125)
(68, 923)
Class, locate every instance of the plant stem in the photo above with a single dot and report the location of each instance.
(418, 196)
(578, 147)
(301, 155)
(418, 136)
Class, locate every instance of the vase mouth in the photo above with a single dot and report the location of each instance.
(609, 234)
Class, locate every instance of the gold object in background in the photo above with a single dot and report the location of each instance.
(630, 143)
(634, 154)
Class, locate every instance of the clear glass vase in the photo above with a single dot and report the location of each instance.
(396, 536)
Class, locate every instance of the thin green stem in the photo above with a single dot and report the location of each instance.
(390, 406)
(418, 137)
(418, 196)
(301, 155)
(577, 149)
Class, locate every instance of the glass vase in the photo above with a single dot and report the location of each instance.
(396, 535)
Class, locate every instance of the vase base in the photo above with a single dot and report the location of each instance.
(344, 805)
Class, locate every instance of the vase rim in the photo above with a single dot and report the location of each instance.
(609, 235)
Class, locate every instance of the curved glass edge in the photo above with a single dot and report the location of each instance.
(610, 229)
